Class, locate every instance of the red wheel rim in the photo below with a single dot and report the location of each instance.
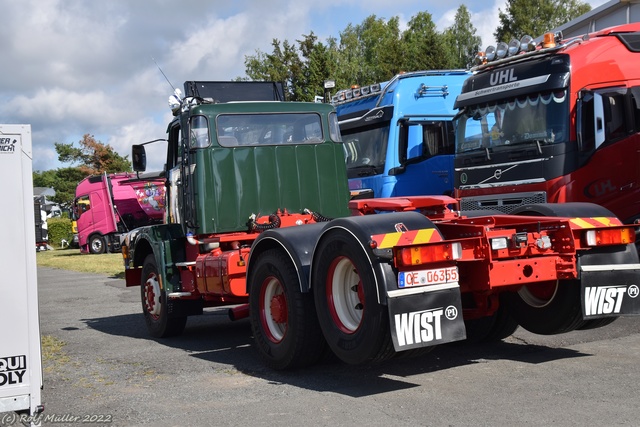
(152, 296)
(540, 294)
(345, 295)
(273, 310)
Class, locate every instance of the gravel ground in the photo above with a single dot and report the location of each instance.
(109, 370)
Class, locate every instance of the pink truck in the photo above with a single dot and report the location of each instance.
(109, 205)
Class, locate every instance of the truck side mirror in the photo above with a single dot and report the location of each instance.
(139, 158)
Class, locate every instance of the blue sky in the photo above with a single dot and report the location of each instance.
(71, 67)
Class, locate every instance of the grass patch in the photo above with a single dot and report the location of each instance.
(53, 355)
(72, 259)
(52, 348)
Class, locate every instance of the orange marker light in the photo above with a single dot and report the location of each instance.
(549, 40)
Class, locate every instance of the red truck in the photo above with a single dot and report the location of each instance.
(556, 121)
(259, 220)
(109, 205)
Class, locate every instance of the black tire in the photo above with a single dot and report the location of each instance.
(354, 324)
(571, 290)
(493, 328)
(504, 326)
(596, 323)
(414, 353)
(97, 244)
(283, 319)
(554, 307)
(154, 304)
(563, 210)
(547, 309)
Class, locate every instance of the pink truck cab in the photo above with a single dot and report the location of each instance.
(109, 205)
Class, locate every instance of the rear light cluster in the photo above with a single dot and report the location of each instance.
(424, 254)
(612, 236)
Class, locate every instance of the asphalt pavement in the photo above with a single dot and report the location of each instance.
(111, 372)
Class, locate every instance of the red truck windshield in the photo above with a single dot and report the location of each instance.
(539, 117)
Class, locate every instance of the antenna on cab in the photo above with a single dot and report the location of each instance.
(175, 100)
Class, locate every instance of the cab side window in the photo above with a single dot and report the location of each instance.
(82, 205)
(608, 115)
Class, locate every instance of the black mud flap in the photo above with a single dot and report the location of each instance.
(610, 290)
(423, 318)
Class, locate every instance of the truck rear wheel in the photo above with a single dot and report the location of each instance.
(354, 324)
(283, 319)
(154, 304)
(596, 323)
(565, 300)
(492, 328)
(547, 308)
(97, 244)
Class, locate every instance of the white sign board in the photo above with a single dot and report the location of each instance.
(20, 356)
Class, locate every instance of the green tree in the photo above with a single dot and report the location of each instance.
(93, 157)
(63, 181)
(349, 59)
(423, 47)
(462, 39)
(380, 41)
(370, 52)
(302, 69)
(535, 18)
(315, 67)
(282, 65)
(46, 179)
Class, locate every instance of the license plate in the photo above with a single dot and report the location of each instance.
(435, 276)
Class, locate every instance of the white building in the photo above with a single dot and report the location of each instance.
(615, 12)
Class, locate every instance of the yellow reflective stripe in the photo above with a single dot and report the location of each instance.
(582, 223)
(604, 221)
(407, 238)
(424, 236)
(389, 240)
(595, 222)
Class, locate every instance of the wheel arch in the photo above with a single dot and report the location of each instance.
(166, 243)
(571, 209)
(604, 255)
(296, 243)
(361, 229)
(596, 256)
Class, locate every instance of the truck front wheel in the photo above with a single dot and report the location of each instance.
(283, 319)
(97, 244)
(354, 324)
(154, 303)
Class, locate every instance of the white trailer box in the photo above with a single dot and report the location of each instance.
(20, 353)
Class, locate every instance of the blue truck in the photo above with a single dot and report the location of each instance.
(398, 135)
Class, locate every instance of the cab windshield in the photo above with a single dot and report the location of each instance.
(540, 118)
(366, 151)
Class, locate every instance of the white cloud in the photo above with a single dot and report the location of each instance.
(72, 67)
(143, 130)
(484, 19)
